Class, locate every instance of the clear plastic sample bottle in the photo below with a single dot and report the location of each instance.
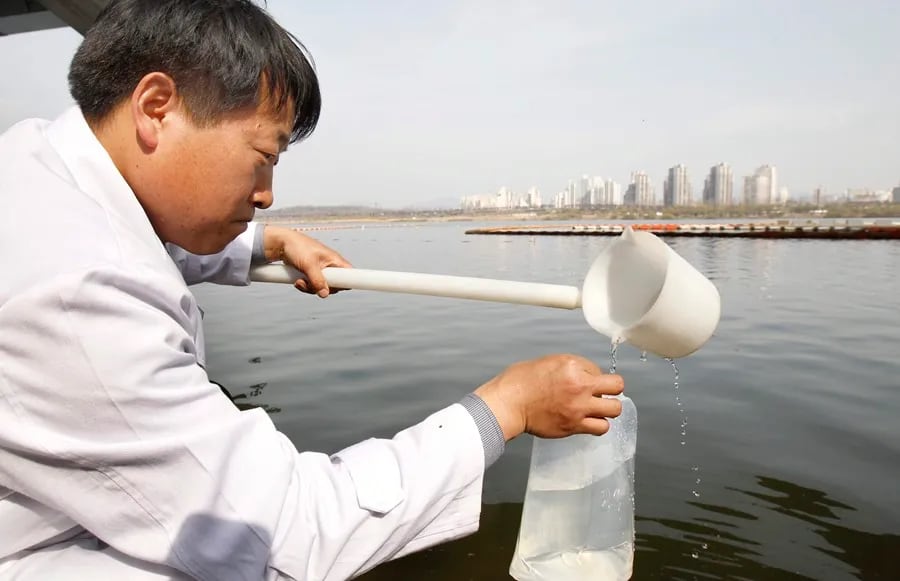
(578, 517)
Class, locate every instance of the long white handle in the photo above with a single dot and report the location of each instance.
(439, 285)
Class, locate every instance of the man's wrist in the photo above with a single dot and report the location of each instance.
(273, 243)
(510, 419)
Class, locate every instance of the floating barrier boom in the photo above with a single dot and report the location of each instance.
(814, 231)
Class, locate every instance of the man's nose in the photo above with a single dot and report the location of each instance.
(262, 192)
(263, 198)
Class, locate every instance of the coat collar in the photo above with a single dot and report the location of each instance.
(97, 176)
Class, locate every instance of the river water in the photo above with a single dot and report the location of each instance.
(792, 410)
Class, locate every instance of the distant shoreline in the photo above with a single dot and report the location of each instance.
(655, 214)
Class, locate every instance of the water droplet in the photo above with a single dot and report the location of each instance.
(643, 356)
(684, 423)
(704, 546)
(695, 554)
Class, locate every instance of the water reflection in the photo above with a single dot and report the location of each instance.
(717, 542)
(724, 260)
(245, 399)
(873, 556)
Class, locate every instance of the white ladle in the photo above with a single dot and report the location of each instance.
(638, 290)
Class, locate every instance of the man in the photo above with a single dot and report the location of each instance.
(118, 458)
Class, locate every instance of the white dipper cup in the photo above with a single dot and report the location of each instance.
(637, 290)
(640, 291)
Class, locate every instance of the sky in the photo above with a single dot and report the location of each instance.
(425, 102)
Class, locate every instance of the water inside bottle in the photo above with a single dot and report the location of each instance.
(566, 527)
(614, 563)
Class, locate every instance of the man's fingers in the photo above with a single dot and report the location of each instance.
(604, 407)
(608, 385)
(313, 284)
(595, 426)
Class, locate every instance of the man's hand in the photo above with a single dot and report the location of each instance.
(553, 397)
(304, 253)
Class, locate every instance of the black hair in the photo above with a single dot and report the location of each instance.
(220, 53)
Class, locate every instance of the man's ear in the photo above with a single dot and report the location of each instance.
(154, 98)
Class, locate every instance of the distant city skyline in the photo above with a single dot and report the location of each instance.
(427, 102)
(760, 187)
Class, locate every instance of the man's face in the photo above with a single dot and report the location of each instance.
(207, 182)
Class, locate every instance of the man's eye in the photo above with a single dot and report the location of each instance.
(269, 157)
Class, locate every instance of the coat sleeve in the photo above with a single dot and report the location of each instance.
(106, 416)
(231, 266)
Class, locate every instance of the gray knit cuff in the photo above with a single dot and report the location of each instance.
(258, 255)
(488, 427)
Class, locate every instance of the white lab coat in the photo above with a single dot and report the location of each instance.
(118, 458)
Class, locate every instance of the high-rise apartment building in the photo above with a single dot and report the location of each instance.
(641, 190)
(559, 200)
(770, 175)
(677, 187)
(756, 190)
(613, 191)
(595, 192)
(718, 185)
(571, 195)
(584, 191)
(761, 188)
